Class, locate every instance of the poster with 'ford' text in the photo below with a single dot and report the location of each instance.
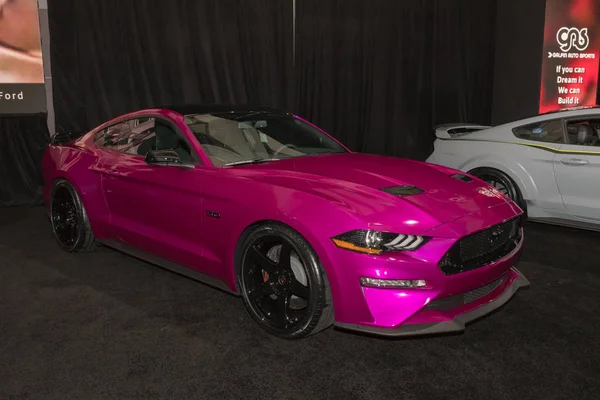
(571, 54)
(22, 89)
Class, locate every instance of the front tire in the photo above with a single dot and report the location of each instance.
(282, 282)
(69, 219)
(501, 182)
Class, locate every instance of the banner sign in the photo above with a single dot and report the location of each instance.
(22, 87)
(571, 54)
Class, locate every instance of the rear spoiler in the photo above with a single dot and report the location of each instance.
(451, 131)
(63, 138)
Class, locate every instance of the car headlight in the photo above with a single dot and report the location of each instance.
(375, 242)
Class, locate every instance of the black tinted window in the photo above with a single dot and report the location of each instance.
(545, 131)
(584, 132)
(154, 134)
(142, 137)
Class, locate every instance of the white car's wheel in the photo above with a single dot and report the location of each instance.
(501, 182)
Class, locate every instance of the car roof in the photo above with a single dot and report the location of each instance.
(566, 112)
(187, 109)
(569, 112)
(567, 109)
(194, 109)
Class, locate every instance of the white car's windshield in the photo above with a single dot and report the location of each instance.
(234, 139)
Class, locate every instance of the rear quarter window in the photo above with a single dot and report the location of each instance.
(543, 131)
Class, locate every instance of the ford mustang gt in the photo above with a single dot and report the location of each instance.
(548, 164)
(265, 205)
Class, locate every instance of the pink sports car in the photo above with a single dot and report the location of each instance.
(264, 204)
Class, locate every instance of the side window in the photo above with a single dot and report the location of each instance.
(142, 137)
(152, 134)
(544, 131)
(99, 138)
(115, 136)
(585, 132)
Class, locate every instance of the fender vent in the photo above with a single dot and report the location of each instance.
(403, 191)
(462, 177)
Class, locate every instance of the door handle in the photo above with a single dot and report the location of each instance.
(113, 171)
(574, 161)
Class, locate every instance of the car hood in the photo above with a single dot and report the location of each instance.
(355, 181)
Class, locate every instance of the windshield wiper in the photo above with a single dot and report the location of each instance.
(253, 161)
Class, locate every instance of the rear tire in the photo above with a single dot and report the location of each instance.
(69, 219)
(501, 182)
(282, 282)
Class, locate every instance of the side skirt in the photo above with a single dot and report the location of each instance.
(168, 265)
(568, 223)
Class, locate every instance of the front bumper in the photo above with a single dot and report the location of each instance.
(453, 319)
(445, 304)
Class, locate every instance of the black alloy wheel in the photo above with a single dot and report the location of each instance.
(501, 182)
(69, 219)
(282, 282)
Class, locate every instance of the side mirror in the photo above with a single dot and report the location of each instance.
(163, 157)
(167, 158)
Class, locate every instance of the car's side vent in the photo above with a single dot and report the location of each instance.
(462, 177)
(403, 191)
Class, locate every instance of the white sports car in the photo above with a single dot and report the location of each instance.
(549, 164)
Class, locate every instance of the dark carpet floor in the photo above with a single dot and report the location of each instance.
(106, 326)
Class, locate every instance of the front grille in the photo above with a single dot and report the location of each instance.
(448, 303)
(483, 247)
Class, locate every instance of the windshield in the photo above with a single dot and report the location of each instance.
(233, 139)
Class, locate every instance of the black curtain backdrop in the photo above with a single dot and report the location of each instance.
(23, 140)
(380, 74)
(377, 74)
(519, 37)
(113, 56)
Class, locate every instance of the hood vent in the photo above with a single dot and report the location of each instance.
(403, 191)
(462, 177)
